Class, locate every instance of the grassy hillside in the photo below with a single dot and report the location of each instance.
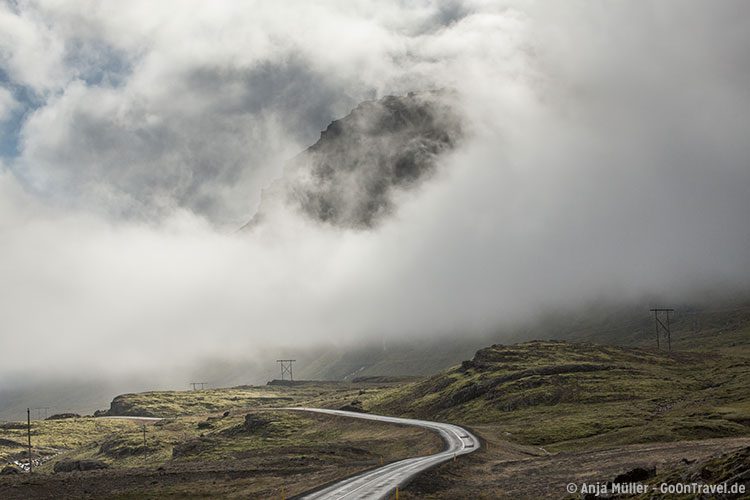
(185, 403)
(718, 327)
(404, 358)
(220, 443)
(178, 403)
(566, 395)
(723, 327)
(186, 415)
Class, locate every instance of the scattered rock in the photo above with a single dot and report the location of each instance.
(75, 465)
(225, 414)
(205, 425)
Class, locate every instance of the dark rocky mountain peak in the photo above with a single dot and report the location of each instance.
(348, 177)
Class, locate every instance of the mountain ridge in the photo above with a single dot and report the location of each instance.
(348, 177)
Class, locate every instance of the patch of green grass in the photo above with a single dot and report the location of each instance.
(205, 425)
(63, 434)
(177, 403)
(183, 403)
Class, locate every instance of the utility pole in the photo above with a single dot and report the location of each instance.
(28, 429)
(286, 367)
(662, 326)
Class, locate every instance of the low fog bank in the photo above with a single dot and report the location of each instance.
(600, 321)
(605, 156)
(83, 391)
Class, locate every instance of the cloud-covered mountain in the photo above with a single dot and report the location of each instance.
(348, 177)
(599, 152)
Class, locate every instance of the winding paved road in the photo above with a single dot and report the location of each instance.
(137, 419)
(378, 483)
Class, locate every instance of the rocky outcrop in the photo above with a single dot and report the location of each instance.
(123, 405)
(62, 416)
(348, 178)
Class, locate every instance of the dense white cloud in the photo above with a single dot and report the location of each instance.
(606, 154)
(7, 104)
(196, 105)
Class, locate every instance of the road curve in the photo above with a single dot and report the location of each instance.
(378, 483)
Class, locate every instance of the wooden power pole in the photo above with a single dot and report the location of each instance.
(28, 430)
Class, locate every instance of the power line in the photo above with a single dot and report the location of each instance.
(286, 367)
(660, 325)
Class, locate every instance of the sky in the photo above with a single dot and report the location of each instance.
(606, 155)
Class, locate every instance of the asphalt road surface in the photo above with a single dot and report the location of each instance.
(379, 483)
(125, 417)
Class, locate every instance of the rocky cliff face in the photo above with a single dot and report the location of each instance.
(348, 178)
